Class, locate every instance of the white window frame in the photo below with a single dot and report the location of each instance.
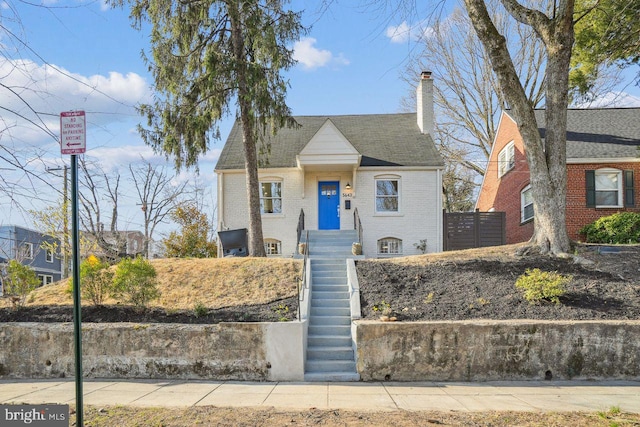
(271, 181)
(506, 159)
(396, 196)
(48, 254)
(45, 279)
(389, 246)
(273, 247)
(619, 190)
(523, 205)
(26, 250)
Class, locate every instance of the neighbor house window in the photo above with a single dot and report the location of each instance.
(45, 279)
(526, 204)
(26, 250)
(506, 159)
(271, 197)
(387, 195)
(49, 255)
(389, 246)
(604, 188)
(272, 247)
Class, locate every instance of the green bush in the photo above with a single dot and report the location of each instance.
(621, 227)
(96, 280)
(18, 282)
(541, 285)
(135, 281)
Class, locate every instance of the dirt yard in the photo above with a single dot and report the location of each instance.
(480, 284)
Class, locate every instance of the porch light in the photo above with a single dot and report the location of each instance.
(348, 186)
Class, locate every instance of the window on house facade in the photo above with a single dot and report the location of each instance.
(387, 195)
(605, 189)
(506, 159)
(526, 204)
(272, 247)
(49, 255)
(45, 279)
(26, 250)
(389, 246)
(271, 197)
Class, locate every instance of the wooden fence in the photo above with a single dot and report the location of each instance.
(464, 230)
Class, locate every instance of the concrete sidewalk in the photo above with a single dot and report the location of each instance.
(559, 396)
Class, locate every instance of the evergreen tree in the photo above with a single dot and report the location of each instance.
(205, 55)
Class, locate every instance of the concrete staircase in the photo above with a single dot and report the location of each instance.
(330, 355)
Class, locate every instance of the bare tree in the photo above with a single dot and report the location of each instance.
(466, 96)
(546, 159)
(94, 183)
(157, 195)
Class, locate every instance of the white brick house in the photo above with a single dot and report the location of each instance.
(384, 166)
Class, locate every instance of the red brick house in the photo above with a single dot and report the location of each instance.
(603, 170)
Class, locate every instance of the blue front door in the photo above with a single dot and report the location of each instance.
(328, 205)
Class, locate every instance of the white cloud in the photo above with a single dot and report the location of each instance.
(112, 158)
(613, 100)
(405, 32)
(49, 90)
(311, 57)
(399, 34)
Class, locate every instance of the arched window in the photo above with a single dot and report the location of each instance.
(272, 247)
(389, 246)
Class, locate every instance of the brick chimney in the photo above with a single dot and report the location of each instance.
(424, 95)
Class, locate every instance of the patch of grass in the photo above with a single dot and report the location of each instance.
(212, 282)
(129, 416)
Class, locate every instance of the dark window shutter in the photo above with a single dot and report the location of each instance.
(590, 180)
(629, 194)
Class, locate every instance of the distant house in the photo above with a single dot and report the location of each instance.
(603, 170)
(385, 167)
(121, 243)
(25, 246)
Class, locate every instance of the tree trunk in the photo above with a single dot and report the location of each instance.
(256, 241)
(547, 163)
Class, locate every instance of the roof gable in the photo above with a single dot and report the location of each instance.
(328, 140)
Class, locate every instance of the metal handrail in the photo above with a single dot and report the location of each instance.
(357, 224)
(303, 281)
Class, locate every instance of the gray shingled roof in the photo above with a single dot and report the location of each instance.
(600, 133)
(382, 139)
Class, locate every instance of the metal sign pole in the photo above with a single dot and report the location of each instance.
(77, 319)
(73, 141)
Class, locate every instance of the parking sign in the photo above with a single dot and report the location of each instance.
(72, 132)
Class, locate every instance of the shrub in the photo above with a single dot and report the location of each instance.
(19, 281)
(200, 310)
(135, 281)
(541, 285)
(96, 280)
(621, 227)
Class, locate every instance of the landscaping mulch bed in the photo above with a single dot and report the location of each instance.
(281, 310)
(605, 285)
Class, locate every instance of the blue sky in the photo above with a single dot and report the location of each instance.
(85, 56)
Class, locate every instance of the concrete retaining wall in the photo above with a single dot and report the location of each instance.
(226, 351)
(497, 350)
(396, 351)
